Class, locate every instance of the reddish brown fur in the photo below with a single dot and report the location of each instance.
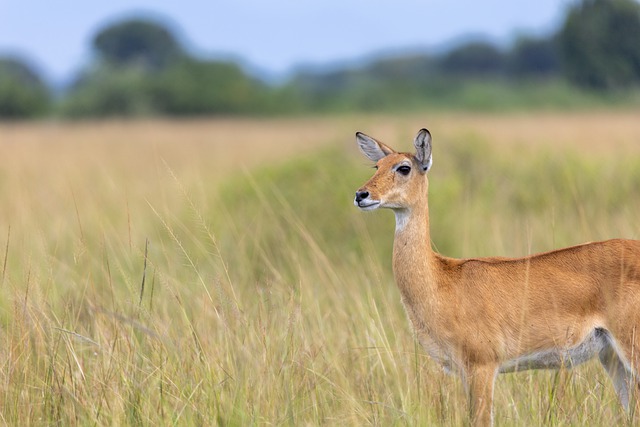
(476, 315)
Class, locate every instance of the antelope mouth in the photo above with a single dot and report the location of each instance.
(367, 205)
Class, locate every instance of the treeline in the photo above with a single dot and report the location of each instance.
(140, 68)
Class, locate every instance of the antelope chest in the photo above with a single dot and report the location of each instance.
(430, 341)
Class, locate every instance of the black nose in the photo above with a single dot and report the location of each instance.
(361, 195)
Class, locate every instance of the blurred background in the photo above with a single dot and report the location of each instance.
(184, 58)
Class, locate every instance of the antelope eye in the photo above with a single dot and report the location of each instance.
(404, 170)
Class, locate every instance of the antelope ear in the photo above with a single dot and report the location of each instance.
(423, 149)
(371, 148)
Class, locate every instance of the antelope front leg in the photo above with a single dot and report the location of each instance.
(480, 380)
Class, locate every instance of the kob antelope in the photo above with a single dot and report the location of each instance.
(482, 316)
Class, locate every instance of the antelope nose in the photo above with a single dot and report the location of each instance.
(361, 195)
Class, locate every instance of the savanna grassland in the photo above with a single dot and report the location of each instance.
(216, 272)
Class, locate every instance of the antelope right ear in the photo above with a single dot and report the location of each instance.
(374, 150)
(423, 149)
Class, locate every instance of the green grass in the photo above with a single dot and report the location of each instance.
(268, 298)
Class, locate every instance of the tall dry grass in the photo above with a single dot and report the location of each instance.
(215, 272)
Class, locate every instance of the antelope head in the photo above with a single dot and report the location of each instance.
(400, 180)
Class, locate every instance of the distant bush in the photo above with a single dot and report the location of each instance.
(534, 57)
(23, 94)
(600, 44)
(206, 87)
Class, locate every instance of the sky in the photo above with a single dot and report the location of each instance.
(273, 36)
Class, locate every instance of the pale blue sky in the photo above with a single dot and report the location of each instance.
(273, 35)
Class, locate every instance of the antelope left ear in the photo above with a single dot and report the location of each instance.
(374, 150)
(423, 149)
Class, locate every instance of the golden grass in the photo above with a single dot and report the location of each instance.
(267, 298)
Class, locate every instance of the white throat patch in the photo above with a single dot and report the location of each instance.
(402, 218)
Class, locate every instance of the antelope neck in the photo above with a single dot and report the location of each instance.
(412, 232)
(413, 258)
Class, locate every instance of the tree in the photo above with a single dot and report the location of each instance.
(143, 70)
(138, 42)
(22, 92)
(193, 86)
(600, 43)
(534, 57)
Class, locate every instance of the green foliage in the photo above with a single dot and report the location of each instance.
(137, 42)
(186, 87)
(534, 57)
(110, 91)
(599, 43)
(206, 87)
(22, 92)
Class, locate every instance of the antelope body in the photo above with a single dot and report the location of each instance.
(480, 317)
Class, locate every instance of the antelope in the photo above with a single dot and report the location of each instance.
(479, 317)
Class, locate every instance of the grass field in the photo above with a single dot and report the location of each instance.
(215, 272)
